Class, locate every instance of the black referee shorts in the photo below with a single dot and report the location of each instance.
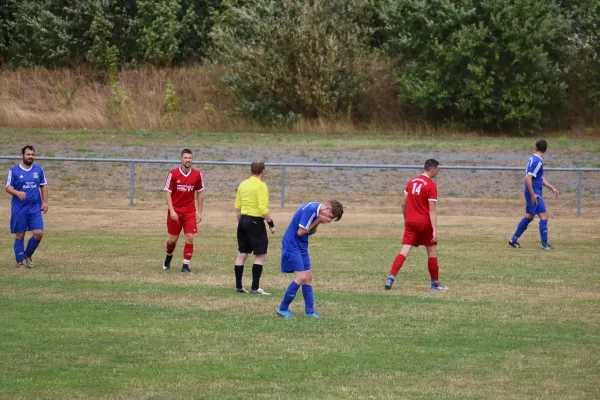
(252, 235)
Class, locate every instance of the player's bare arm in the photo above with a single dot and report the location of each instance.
(404, 205)
(238, 214)
(169, 201)
(200, 199)
(12, 191)
(44, 192)
(433, 219)
(534, 197)
(549, 186)
(313, 227)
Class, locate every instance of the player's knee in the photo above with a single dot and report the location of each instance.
(38, 235)
(189, 238)
(20, 236)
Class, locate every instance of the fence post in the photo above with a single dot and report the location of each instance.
(132, 183)
(579, 191)
(282, 186)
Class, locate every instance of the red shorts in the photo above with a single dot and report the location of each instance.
(416, 234)
(186, 221)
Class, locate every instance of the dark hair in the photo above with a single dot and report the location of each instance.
(257, 167)
(185, 151)
(541, 145)
(431, 164)
(28, 147)
(337, 209)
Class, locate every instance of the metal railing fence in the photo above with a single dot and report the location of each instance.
(132, 164)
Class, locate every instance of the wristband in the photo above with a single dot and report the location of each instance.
(271, 224)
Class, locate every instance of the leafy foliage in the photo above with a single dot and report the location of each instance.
(287, 58)
(490, 63)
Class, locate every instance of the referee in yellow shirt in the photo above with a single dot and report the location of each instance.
(252, 210)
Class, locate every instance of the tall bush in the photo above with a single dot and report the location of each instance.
(159, 29)
(51, 33)
(585, 39)
(492, 64)
(284, 58)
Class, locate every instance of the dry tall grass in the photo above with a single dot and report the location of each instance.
(77, 98)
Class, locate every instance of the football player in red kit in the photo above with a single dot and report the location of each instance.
(183, 188)
(420, 223)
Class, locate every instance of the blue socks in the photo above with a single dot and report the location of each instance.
(309, 299)
(289, 295)
(19, 250)
(544, 232)
(520, 229)
(32, 244)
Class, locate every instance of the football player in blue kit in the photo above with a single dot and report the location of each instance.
(534, 203)
(294, 253)
(26, 182)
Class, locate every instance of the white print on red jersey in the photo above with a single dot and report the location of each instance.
(419, 192)
(183, 189)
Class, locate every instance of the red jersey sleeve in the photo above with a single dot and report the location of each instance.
(169, 183)
(433, 193)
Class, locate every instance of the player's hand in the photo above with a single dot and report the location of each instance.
(45, 207)
(272, 230)
(325, 219)
(555, 191)
(21, 195)
(198, 218)
(534, 199)
(174, 216)
(434, 238)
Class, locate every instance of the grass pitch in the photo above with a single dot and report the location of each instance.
(97, 317)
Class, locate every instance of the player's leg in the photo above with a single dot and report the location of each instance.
(35, 224)
(434, 269)
(18, 226)
(260, 244)
(544, 216)
(173, 229)
(524, 222)
(188, 252)
(408, 241)
(244, 248)
(190, 228)
(309, 297)
(291, 261)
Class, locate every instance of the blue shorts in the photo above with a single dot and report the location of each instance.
(294, 260)
(532, 208)
(21, 223)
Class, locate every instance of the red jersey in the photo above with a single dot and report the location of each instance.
(419, 192)
(183, 189)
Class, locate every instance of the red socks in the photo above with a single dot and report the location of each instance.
(188, 251)
(434, 269)
(398, 262)
(170, 248)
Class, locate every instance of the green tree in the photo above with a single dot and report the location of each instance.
(492, 64)
(2, 42)
(195, 25)
(284, 58)
(47, 32)
(159, 30)
(101, 33)
(585, 40)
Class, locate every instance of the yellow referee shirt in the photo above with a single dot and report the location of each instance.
(252, 197)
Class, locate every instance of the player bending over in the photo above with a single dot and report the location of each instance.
(294, 253)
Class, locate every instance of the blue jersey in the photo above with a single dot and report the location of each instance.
(28, 181)
(535, 168)
(303, 218)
